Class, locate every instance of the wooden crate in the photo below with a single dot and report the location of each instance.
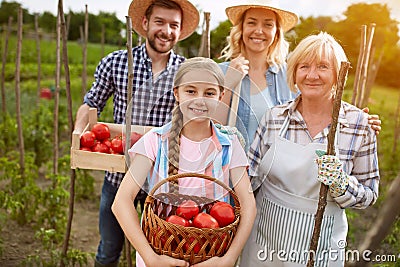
(100, 161)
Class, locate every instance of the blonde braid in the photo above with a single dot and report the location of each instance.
(174, 141)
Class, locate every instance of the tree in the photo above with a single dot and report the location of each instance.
(218, 38)
(307, 26)
(47, 22)
(385, 38)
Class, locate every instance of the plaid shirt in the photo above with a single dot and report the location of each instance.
(152, 100)
(357, 147)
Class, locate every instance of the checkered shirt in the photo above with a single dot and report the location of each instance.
(152, 100)
(357, 147)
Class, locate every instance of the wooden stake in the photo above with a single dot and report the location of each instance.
(3, 67)
(344, 67)
(71, 126)
(18, 93)
(359, 65)
(204, 50)
(128, 120)
(84, 52)
(364, 70)
(39, 71)
(57, 96)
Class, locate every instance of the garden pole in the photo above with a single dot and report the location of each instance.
(128, 120)
(39, 71)
(18, 94)
(323, 192)
(357, 79)
(56, 98)
(71, 126)
(364, 72)
(84, 51)
(3, 68)
(204, 50)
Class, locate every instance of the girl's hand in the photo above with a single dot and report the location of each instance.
(164, 260)
(238, 68)
(241, 64)
(216, 261)
(374, 121)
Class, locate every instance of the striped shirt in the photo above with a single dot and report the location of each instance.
(152, 100)
(357, 148)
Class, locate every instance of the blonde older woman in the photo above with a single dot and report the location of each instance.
(283, 164)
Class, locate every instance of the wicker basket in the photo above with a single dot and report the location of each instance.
(187, 243)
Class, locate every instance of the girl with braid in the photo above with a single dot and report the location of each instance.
(189, 143)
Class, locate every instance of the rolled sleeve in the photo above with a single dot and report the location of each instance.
(362, 191)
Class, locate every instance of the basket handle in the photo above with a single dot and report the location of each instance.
(195, 175)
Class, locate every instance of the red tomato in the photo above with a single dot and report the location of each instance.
(223, 213)
(175, 219)
(116, 145)
(196, 247)
(204, 220)
(107, 142)
(87, 139)
(101, 131)
(100, 147)
(134, 138)
(218, 243)
(187, 209)
(84, 148)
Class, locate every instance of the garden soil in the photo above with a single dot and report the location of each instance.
(19, 241)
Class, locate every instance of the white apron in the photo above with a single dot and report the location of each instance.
(286, 205)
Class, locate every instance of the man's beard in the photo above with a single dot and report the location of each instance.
(163, 49)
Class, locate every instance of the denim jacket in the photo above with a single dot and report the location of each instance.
(279, 94)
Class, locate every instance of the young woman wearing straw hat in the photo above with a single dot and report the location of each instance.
(257, 51)
(163, 23)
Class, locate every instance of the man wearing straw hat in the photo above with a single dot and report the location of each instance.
(163, 23)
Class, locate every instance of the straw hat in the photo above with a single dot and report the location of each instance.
(190, 16)
(289, 19)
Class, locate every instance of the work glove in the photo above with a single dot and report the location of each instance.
(231, 130)
(330, 173)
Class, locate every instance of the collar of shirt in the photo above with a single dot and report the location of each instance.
(291, 108)
(219, 139)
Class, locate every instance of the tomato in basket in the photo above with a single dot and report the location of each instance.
(175, 219)
(218, 244)
(205, 220)
(197, 247)
(187, 209)
(223, 212)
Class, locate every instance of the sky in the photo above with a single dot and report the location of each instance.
(305, 8)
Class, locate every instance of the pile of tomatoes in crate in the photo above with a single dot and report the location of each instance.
(99, 139)
(188, 214)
